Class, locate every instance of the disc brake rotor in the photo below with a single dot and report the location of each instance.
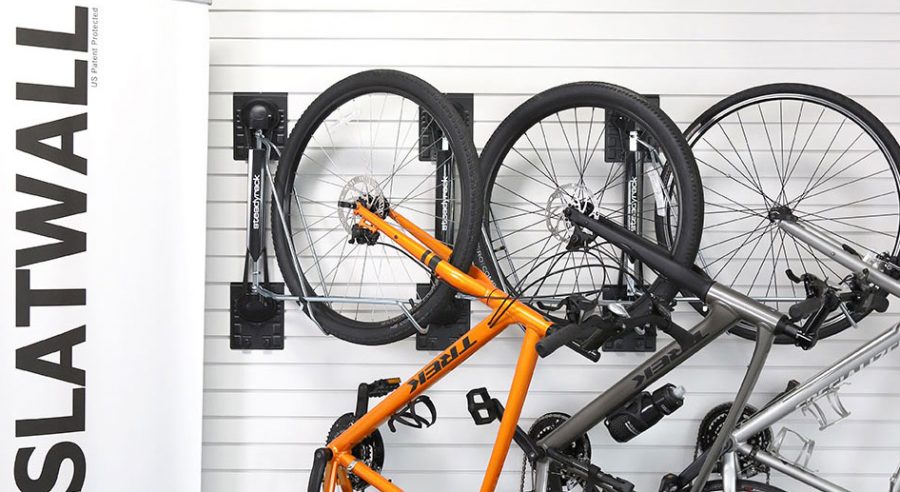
(575, 195)
(364, 189)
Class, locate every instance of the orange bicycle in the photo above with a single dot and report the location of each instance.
(383, 145)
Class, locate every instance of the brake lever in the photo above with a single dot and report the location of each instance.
(576, 307)
(817, 290)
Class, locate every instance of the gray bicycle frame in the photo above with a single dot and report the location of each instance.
(726, 308)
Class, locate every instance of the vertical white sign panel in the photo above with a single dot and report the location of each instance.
(102, 192)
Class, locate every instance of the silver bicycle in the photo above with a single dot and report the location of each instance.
(873, 279)
(819, 395)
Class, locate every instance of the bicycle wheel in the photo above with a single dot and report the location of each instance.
(390, 140)
(743, 486)
(600, 148)
(801, 149)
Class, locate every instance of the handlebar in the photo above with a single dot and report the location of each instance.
(687, 279)
(559, 336)
(806, 307)
(652, 254)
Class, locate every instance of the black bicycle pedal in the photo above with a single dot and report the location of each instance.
(375, 389)
(382, 387)
(611, 482)
(482, 407)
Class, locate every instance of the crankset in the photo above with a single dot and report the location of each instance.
(370, 450)
(710, 427)
(560, 478)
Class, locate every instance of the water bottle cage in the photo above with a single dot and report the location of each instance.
(409, 417)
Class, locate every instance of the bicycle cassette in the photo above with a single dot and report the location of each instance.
(369, 451)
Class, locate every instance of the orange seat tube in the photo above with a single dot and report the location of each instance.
(521, 381)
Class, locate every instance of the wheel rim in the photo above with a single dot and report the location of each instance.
(557, 162)
(366, 148)
(803, 154)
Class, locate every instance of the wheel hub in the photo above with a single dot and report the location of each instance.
(781, 212)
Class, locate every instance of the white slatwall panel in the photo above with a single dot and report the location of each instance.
(265, 413)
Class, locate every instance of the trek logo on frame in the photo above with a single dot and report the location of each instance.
(441, 362)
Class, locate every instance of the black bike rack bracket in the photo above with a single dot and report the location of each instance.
(447, 324)
(455, 319)
(240, 140)
(629, 341)
(633, 342)
(615, 149)
(464, 102)
(266, 334)
(615, 143)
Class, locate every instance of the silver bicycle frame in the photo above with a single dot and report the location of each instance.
(815, 387)
(826, 380)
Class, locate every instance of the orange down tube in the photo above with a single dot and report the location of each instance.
(439, 248)
(445, 362)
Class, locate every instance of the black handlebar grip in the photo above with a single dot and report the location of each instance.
(801, 339)
(650, 254)
(557, 337)
(806, 307)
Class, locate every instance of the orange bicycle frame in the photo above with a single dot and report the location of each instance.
(507, 311)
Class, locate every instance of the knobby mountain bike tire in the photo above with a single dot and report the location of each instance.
(394, 142)
(820, 155)
(552, 152)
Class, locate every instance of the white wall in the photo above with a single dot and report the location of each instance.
(265, 413)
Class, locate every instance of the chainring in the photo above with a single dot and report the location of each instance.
(369, 451)
(579, 450)
(712, 424)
